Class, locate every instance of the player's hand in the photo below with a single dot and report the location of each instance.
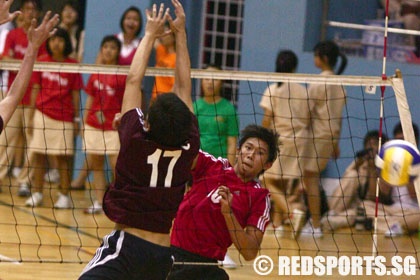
(177, 24)
(156, 19)
(116, 121)
(38, 35)
(5, 15)
(225, 199)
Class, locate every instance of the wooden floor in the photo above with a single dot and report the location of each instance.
(44, 243)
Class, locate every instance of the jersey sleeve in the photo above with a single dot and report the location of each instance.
(266, 102)
(260, 209)
(8, 45)
(89, 88)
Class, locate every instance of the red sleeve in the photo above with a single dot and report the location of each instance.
(90, 89)
(260, 209)
(77, 82)
(36, 78)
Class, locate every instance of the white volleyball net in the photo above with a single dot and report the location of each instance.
(45, 234)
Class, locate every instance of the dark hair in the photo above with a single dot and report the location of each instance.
(267, 135)
(73, 4)
(170, 120)
(111, 38)
(398, 129)
(374, 134)
(330, 50)
(132, 9)
(286, 62)
(37, 4)
(68, 49)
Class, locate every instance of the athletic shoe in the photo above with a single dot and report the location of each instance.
(63, 202)
(395, 230)
(35, 200)
(309, 230)
(279, 231)
(228, 263)
(16, 171)
(24, 190)
(95, 208)
(297, 219)
(52, 176)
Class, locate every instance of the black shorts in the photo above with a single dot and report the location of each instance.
(125, 256)
(208, 271)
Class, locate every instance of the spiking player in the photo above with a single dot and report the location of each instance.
(153, 165)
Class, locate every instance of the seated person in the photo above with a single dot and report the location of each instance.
(355, 185)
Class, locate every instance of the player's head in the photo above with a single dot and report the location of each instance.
(169, 120)
(257, 150)
(131, 21)
(110, 49)
(328, 53)
(398, 132)
(59, 43)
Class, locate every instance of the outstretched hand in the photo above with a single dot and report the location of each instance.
(5, 15)
(156, 21)
(37, 35)
(177, 24)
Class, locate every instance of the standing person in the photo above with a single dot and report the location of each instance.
(70, 22)
(286, 111)
(225, 205)
(153, 165)
(165, 58)
(326, 103)
(36, 38)
(105, 95)
(131, 24)
(16, 136)
(56, 99)
(217, 119)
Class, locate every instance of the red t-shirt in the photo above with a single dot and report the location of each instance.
(150, 178)
(107, 92)
(199, 226)
(15, 47)
(55, 97)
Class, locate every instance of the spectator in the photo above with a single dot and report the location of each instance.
(217, 120)
(17, 136)
(326, 104)
(131, 24)
(284, 110)
(70, 22)
(105, 95)
(56, 119)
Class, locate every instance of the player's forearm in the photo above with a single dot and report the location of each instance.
(247, 244)
(183, 69)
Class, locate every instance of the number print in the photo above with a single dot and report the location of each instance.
(154, 158)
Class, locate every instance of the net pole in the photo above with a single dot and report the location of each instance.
(381, 118)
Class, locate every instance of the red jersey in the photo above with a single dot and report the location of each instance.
(199, 226)
(15, 47)
(55, 97)
(150, 178)
(107, 92)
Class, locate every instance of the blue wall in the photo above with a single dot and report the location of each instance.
(271, 25)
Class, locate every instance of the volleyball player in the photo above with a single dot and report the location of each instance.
(225, 205)
(36, 37)
(153, 165)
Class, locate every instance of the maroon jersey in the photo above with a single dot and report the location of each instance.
(199, 226)
(150, 178)
(1, 124)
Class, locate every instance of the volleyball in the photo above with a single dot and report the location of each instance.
(398, 162)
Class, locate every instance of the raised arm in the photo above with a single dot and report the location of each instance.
(182, 85)
(36, 36)
(154, 28)
(5, 15)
